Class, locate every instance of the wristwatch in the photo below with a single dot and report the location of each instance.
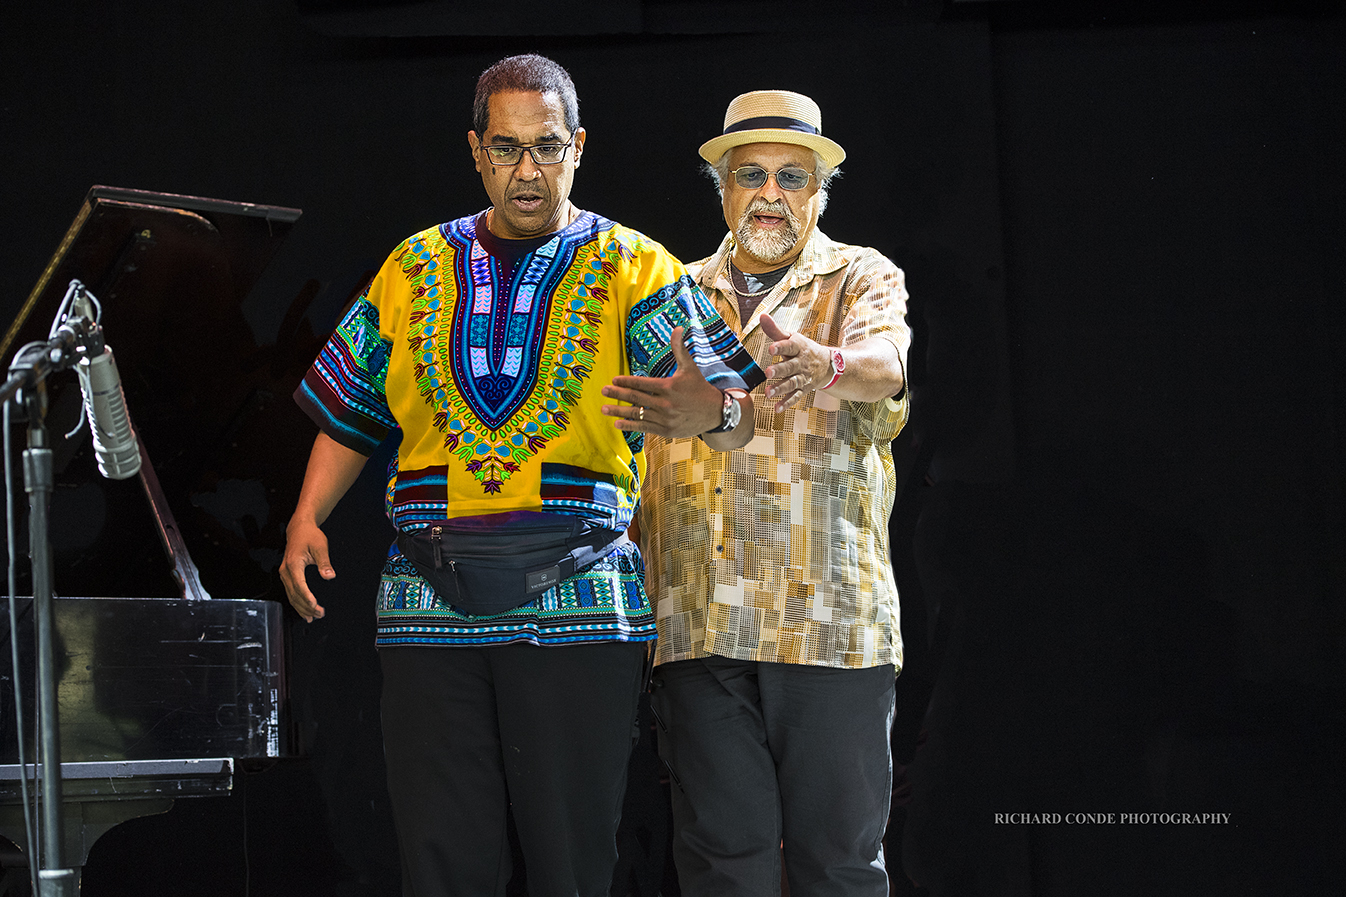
(730, 413)
(838, 365)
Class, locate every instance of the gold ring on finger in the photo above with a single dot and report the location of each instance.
(640, 415)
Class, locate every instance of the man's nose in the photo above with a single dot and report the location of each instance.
(527, 169)
(770, 191)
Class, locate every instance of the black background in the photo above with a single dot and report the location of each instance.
(1120, 530)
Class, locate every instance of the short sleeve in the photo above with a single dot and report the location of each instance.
(876, 306)
(344, 391)
(876, 302)
(712, 343)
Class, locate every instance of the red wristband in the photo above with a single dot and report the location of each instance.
(838, 365)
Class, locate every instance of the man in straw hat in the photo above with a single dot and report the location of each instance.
(769, 565)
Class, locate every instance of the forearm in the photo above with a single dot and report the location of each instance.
(873, 372)
(332, 469)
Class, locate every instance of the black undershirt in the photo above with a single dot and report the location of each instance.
(757, 284)
(506, 253)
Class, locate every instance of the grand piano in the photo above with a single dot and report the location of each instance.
(168, 636)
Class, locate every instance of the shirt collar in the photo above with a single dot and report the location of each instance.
(820, 256)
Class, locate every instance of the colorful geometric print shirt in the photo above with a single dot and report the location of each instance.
(496, 390)
(778, 551)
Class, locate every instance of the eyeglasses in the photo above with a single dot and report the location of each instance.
(542, 153)
(754, 177)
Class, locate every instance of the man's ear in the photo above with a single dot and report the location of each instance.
(579, 145)
(475, 145)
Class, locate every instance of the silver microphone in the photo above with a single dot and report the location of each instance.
(114, 442)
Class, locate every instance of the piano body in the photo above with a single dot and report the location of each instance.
(169, 674)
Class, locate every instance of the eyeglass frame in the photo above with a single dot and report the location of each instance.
(530, 148)
(770, 175)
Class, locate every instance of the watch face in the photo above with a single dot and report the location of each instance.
(729, 420)
(838, 362)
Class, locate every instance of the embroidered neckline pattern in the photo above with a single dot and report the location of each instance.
(517, 353)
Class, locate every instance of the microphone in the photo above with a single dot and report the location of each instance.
(114, 442)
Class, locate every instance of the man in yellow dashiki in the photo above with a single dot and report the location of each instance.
(487, 342)
(769, 565)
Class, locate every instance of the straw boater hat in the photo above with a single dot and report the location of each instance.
(773, 116)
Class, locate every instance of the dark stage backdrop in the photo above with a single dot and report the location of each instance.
(1119, 536)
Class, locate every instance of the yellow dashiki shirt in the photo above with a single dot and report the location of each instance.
(779, 551)
(490, 363)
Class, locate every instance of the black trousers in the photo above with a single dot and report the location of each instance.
(771, 754)
(471, 732)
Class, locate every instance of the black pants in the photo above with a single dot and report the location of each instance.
(771, 754)
(470, 732)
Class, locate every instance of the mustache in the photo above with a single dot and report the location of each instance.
(524, 190)
(762, 205)
(777, 207)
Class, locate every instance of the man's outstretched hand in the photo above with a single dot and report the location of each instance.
(685, 404)
(804, 365)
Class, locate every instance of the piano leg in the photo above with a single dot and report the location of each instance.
(100, 795)
(83, 822)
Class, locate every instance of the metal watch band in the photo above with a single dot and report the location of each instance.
(731, 412)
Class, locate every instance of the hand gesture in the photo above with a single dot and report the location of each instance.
(682, 405)
(804, 365)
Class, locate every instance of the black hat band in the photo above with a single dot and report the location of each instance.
(778, 122)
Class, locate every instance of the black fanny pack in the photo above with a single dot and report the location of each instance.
(488, 564)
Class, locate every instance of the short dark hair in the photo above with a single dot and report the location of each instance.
(528, 72)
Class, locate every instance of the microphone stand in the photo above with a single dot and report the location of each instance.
(26, 383)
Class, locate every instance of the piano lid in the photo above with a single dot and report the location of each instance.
(210, 405)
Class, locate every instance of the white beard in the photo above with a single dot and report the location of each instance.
(770, 246)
